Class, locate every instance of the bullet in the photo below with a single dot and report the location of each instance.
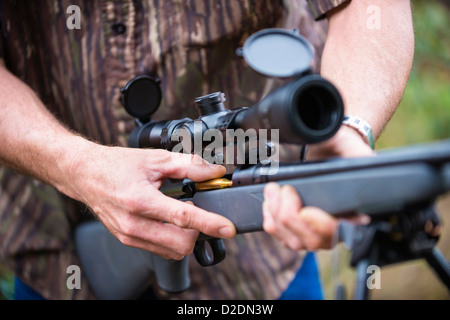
(214, 184)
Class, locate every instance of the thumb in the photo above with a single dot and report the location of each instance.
(319, 221)
(193, 167)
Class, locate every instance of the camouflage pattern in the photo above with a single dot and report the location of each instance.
(319, 9)
(190, 46)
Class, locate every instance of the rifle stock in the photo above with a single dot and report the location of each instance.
(396, 180)
(390, 181)
(400, 182)
(118, 272)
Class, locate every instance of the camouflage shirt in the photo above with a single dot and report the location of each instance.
(78, 74)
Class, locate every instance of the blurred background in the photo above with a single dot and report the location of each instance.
(423, 116)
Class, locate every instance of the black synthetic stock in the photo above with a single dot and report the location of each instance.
(118, 272)
(391, 181)
(388, 182)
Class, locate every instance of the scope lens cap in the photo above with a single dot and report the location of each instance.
(278, 52)
(142, 96)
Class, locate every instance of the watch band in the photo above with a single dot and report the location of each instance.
(362, 127)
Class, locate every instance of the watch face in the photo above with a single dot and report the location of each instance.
(278, 52)
(142, 96)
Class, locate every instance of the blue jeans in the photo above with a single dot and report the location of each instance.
(306, 284)
(24, 292)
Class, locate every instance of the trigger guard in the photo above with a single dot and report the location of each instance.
(202, 255)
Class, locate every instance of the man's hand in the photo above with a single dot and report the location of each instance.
(370, 67)
(121, 186)
(310, 228)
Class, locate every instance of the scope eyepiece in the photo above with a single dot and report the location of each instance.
(307, 110)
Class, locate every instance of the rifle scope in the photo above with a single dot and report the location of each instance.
(306, 110)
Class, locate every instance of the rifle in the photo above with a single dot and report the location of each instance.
(396, 188)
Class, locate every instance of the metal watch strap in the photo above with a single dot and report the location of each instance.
(362, 127)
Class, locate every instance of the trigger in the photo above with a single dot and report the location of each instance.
(203, 256)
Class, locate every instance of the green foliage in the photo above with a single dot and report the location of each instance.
(6, 284)
(423, 116)
(424, 113)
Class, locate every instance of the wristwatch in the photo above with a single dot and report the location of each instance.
(364, 129)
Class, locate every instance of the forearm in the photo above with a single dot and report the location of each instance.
(370, 65)
(34, 142)
(119, 184)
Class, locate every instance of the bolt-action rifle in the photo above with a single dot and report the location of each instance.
(397, 188)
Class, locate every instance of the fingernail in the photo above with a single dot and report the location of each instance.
(365, 219)
(227, 232)
(214, 166)
(271, 191)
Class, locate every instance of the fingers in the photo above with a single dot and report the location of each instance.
(278, 213)
(320, 229)
(167, 227)
(296, 227)
(123, 192)
(193, 167)
(346, 143)
(184, 215)
(163, 239)
(188, 216)
(172, 232)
